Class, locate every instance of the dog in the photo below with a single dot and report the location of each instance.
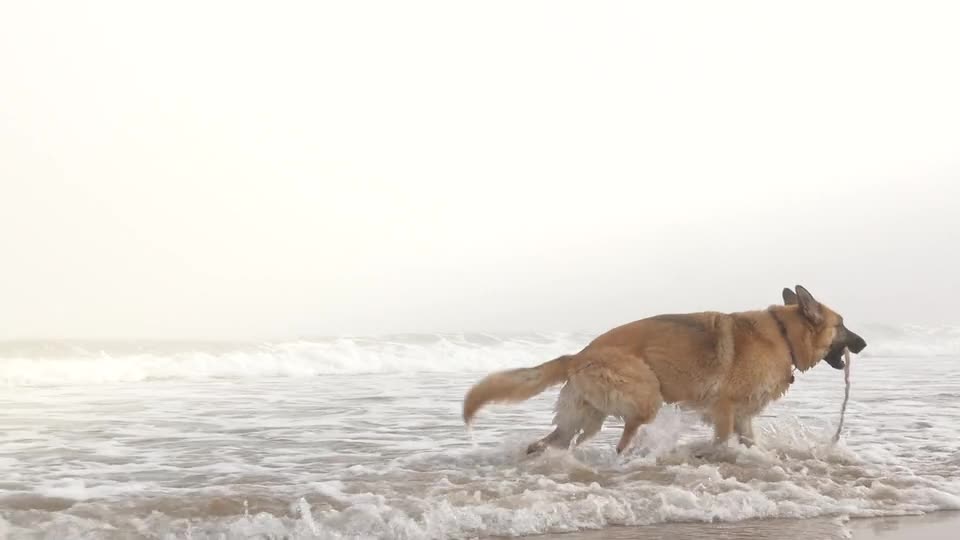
(726, 366)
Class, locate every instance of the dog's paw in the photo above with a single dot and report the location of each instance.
(633, 452)
(709, 451)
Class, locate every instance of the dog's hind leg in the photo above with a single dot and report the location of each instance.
(645, 405)
(555, 439)
(572, 415)
(743, 427)
(630, 427)
(723, 420)
(592, 426)
(622, 385)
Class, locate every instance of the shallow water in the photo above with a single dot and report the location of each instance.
(276, 443)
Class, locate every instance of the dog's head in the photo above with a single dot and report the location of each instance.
(830, 336)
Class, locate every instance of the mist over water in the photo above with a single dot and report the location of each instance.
(393, 167)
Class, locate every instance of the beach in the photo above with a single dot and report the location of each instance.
(936, 526)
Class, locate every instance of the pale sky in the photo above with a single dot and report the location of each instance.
(234, 170)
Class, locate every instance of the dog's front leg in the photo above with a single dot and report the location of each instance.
(723, 420)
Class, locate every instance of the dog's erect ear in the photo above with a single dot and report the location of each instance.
(809, 306)
(789, 297)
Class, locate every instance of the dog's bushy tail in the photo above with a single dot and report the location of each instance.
(514, 385)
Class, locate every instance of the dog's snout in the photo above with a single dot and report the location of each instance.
(856, 343)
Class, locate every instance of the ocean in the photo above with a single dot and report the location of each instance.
(362, 438)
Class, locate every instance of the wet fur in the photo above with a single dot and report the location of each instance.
(727, 366)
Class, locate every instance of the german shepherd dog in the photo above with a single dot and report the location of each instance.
(727, 366)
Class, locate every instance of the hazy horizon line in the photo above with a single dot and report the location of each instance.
(371, 335)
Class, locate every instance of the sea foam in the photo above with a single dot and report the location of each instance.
(55, 364)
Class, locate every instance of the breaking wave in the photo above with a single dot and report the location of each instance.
(70, 364)
(57, 363)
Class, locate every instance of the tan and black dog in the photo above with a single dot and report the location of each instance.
(728, 366)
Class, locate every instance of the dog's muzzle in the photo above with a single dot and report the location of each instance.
(855, 343)
(850, 341)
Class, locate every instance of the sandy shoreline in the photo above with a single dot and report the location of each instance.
(934, 526)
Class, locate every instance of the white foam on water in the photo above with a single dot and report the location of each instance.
(499, 492)
(492, 488)
(427, 353)
(111, 363)
(78, 490)
(180, 446)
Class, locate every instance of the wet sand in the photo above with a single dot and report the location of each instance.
(934, 526)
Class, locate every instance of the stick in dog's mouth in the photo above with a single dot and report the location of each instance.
(846, 392)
